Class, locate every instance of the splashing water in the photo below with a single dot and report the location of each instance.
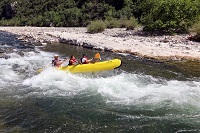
(56, 101)
(120, 89)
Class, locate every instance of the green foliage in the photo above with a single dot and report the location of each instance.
(117, 4)
(131, 24)
(168, 15)
(96, 26)
(2, 4)
(43, 12)
(67, 13)
(96, 11)
(112, 23)
(156, 15)
(126, 11)
(111, 14)
(196, 28)
(72, 17)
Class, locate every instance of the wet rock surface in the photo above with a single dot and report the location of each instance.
(11, 43)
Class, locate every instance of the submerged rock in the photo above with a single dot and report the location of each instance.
(26, 45)
(20, 53)
(87, 45)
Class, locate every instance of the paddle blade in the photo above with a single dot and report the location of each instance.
(96, 58)
(40, 70)
(97, 55)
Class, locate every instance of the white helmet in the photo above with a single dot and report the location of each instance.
(55, 55)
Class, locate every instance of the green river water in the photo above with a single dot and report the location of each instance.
(142, 96)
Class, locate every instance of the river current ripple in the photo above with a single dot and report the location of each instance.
(135, 98)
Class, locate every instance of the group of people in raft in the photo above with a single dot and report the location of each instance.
(72, 61)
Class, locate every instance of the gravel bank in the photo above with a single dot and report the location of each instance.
(135, 42)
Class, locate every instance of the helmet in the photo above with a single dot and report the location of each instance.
(55, 55)
(84, 55)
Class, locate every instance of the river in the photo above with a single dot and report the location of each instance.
(142, 96)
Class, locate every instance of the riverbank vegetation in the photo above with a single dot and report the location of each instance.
(196, 28)
(99, 25)
(166, 16)
(96, 26)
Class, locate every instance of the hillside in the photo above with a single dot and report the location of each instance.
(155, 15)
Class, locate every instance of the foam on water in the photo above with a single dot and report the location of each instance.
(17, 68)
(141, 89)
(6, 73)
(124, 88)
(119, 89)
(125, 102)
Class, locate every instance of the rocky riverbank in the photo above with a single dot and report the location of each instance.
(135, 42)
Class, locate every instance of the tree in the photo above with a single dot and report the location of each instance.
(127, 11)
(72, 17)
(96, 11)
(168, 16)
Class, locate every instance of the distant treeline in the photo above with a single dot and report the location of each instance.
(154, 15)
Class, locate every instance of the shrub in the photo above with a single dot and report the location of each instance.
(96, 26)
(129, 24)
(122, 23)
(196, 28)
(168, 15)
(113, 23)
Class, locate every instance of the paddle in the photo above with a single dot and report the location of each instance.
(64, 60)
(96, 58)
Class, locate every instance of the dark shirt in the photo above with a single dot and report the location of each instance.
(54, 62)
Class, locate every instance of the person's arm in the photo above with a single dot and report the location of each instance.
(64, 60)
(61, 61)
(76, 62)
(90, 60)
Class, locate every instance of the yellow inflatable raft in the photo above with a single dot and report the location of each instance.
(91, 67)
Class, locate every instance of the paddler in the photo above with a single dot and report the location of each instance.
(72, 61)
(85, 60)
(57, 62)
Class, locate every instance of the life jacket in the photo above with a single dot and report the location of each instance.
(84, 61)
(71, 61)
